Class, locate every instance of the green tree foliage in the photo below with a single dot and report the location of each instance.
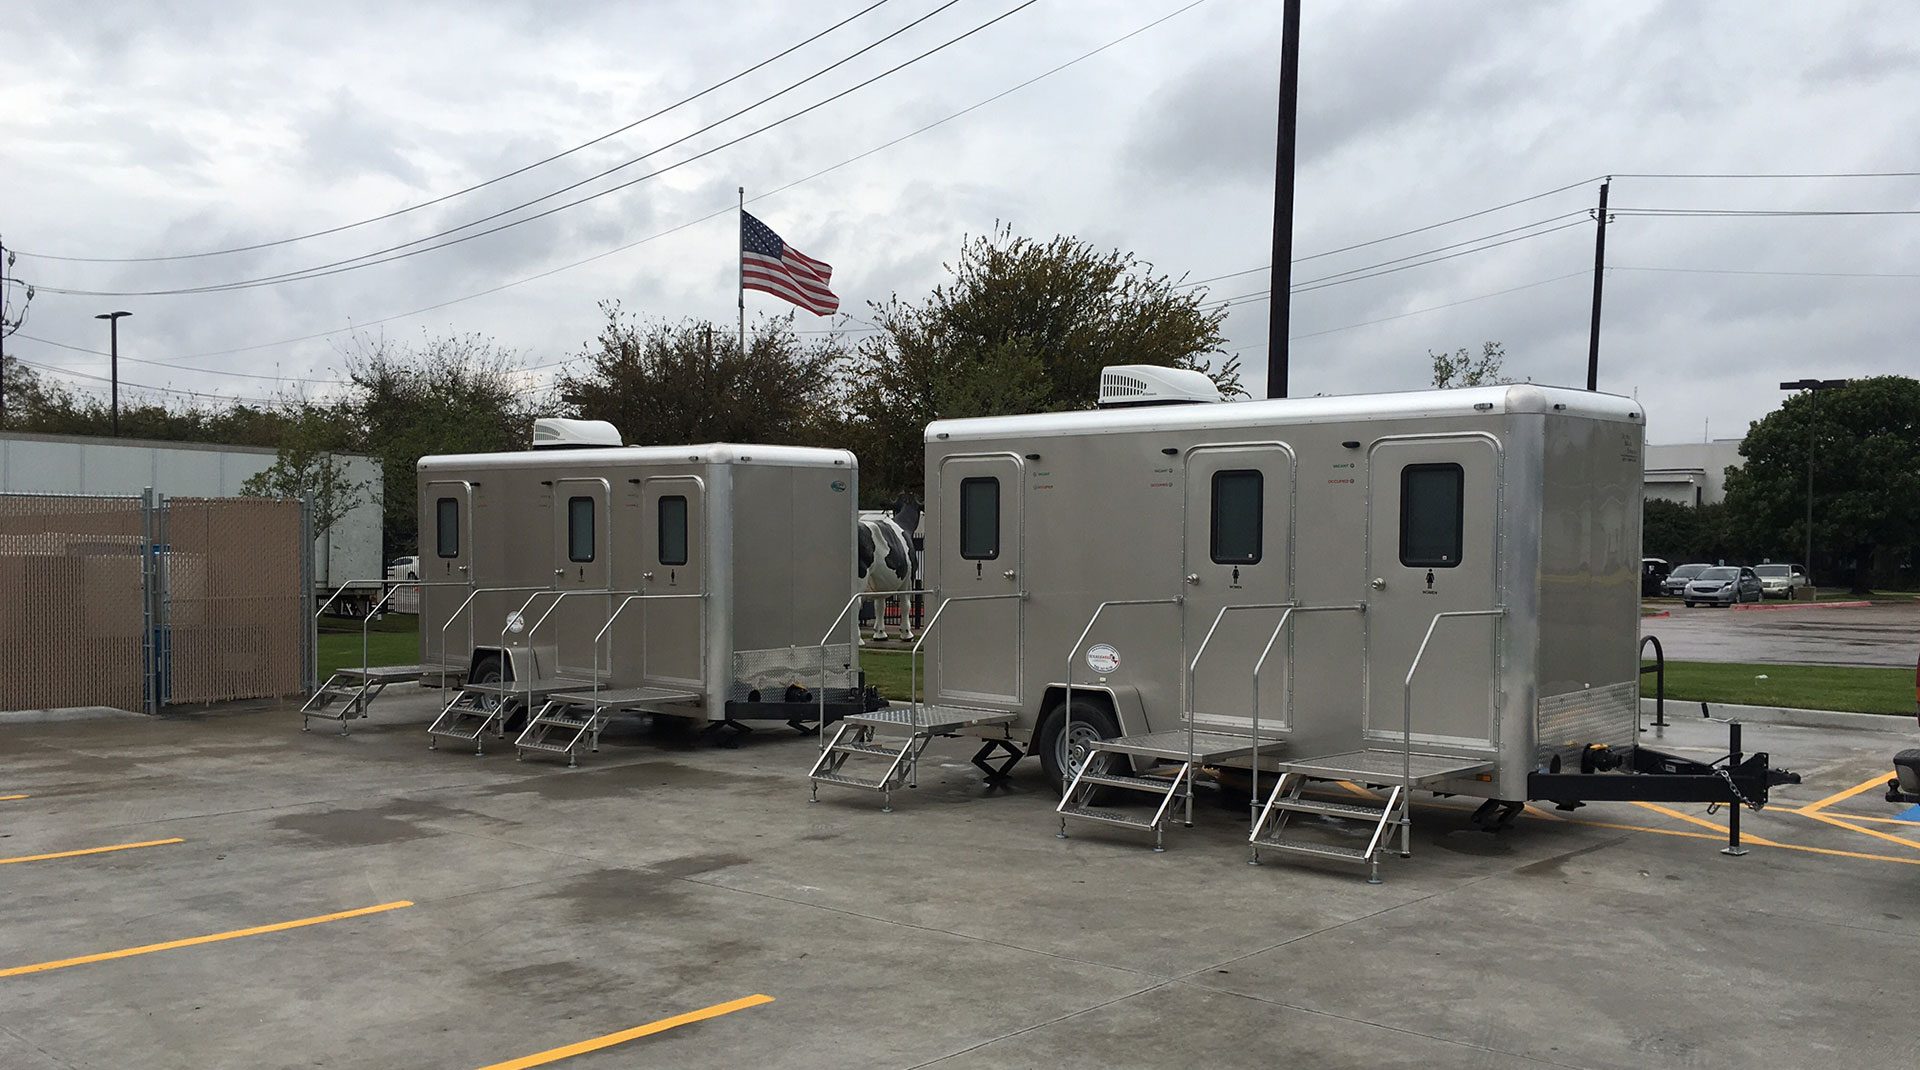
(1021, 326)
(1463, 368)
(307, 467)
(662, 383)
(1865, 442)
(43, 406)
(1685, 533)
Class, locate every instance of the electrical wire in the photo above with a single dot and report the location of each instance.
(183, 367)
(1790, 274)
(477, 186)
(57, 370)
(364, 261)
(1734, 175)
(1672, 213)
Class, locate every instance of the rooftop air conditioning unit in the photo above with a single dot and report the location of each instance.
(1150, 384)
(553, 433)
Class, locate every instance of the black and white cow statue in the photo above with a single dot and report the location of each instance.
(889, 561)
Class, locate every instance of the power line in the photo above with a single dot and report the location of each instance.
(1760, 212)
(479, 185)
(364, 260)
(1763, 175)
(183, 367)
(1790, 274)
(57, 370)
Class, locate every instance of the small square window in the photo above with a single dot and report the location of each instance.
(580, 529)
(673, 530)
(1238, 516)
(446, 523)
(1432, 515)
(980, 518)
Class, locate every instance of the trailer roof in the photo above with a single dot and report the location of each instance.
(705, 453)
(1518, 398)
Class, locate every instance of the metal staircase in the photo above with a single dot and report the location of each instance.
(895, 737)
(1187, 751)
(479, 708)
(567, 720)
(348, 692)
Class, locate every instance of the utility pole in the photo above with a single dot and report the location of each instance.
(1599, 278)
(1813, 388)
(1279, 306)
(113, 325)
(8, 324)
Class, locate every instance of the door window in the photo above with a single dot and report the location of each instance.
(1238, 511)
(1432, 515)
(446, 522)
(980, 518)
(580, 529)
(673, 530)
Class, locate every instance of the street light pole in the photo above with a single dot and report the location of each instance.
(1813, 388)
(113, 326)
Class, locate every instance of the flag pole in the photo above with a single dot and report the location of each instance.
(740, 261)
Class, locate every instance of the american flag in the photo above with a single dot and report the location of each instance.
(772, 266)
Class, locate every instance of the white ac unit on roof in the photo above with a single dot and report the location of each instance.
(1151, 384)
(554, 433)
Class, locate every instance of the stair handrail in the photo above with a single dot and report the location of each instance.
(1260, 663)
(367, 621)
(337, 592)
(1406, 692)
(1193, 667)
(827, 637)
(1073, 652)
(558, 597)
(913, 659)
(440, 659)
(615, 615)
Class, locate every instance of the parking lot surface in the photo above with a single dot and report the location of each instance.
(1887, 635)
(224, 891)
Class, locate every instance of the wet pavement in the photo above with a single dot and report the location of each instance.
(1887, 635)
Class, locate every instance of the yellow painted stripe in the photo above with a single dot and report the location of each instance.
(170, 945)
(90, 851)
(1876, 781)
(1864, 830)
(10, 798)
(1694, 819)
(1722, 838)
(1356, 789)
(554, 1055)
(1851, 816)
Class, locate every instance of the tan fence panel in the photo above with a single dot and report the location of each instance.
(233, 570)
(72, 602)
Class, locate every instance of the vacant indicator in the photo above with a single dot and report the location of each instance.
(446, 535)
(1432, 515)
(980, 518)
(1238, 514)
(673, 530)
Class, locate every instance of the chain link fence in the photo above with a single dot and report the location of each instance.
(139, 603)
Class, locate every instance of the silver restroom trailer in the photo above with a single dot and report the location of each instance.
(581, 579)
(1433, 591)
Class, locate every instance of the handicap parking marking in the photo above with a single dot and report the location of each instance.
(553, 1055)
(90, 851)
(1875, 781)
(1911, 813)
(193, 941)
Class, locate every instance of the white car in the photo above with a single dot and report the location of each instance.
(1780, 581)
(403, 570)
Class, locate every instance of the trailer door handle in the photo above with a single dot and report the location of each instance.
(1193, 579)
(1379, 583)
(1008, 573)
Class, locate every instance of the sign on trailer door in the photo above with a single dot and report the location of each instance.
(979, 508)
(1432, 547)
(673, 540)
(1239, 551)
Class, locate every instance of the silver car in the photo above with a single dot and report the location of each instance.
(1779, 581)
(1723, 585)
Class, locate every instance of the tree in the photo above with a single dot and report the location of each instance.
(1021, 326)
(306, 467)
(1865, 442)
(682, 382)
(1462, 368)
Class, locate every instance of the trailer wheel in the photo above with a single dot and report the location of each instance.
(487, 671)
(1090, 722)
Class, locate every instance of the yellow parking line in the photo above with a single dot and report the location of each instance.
(1877, 780)
(145, 949)
(1722, 838)
(1863, 830)
(90, 851)
(10, 798)
(554, 1055)
(1692, 819)
(1850, 816)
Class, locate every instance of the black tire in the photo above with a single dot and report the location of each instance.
(489, 670)
(1090, 720)
(1689, 605)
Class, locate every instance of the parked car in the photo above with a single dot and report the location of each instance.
(1723, 585)
(1653, 574)
(1780, 581)
(403, 570)
(1676, 582)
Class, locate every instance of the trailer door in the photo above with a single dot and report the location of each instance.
(582, 535)
(1238, 551)
(446, 556)
(980, 554)
(1433, 547)
(673, 540)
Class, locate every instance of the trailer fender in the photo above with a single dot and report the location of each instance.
(516, 663)
(1123, 702)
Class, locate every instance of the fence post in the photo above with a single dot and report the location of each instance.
(149, 657)
(310, 649)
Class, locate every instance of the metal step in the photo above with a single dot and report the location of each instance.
(1385, 767)
(930, 719)
(551, 748)
(1105, 815)
(1207, 748)
(560, 720)
(1156, 785)
(1322, 850)
(874, 749)
(1352, 811)
(848, 781)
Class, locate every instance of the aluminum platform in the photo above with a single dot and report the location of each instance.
(932, 719)
(624, 698)
(1207, 747)
(1386, 767)
(381, 674)
(540, 688)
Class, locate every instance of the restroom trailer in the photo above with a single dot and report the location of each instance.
(1439, 590)
(582, 578)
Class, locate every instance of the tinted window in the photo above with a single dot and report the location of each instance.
(980, 518)
(1432, 512)
(1719, 574)
(673, 530)
(446, 535)
(1237, 515)
(579, 529)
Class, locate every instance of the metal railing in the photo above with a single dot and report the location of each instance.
(386, 596)
(518, 615)
(440, 658)
(826, 639)
(1194, 665)
(1406, 694)
(1073, 652)
(615, 615)
(1260, 663)
(1659, 671)
(913, 660)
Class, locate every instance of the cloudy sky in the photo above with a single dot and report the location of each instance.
(185, 128)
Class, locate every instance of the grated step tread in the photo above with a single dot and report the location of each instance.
(1354, 811)
(848, 781)
(550, 748)
(559, 720)
(877, 750)
(1157, 785)
(1105, 815)
(1321, 850)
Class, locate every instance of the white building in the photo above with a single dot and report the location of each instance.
(1691, 473)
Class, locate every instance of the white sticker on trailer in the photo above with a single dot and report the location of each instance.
(1103, 658)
